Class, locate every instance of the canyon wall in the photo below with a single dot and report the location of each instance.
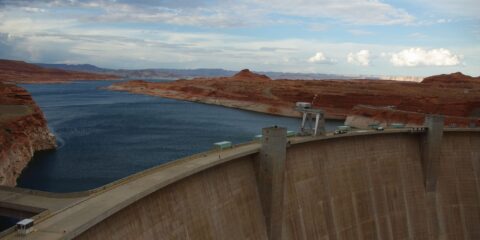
(348, 187)
(23, 130)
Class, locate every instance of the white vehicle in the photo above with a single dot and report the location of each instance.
(25, 226)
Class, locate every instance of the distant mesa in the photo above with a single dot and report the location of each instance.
(22, 72)
(452, 78)
(247, 75)
(175, 74)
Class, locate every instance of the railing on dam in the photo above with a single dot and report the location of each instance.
(360, 185)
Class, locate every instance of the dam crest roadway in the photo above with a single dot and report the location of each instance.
(392, 184)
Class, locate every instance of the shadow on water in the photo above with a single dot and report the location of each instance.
(104, 135)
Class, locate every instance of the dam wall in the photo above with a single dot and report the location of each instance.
(356, 186)
(219, 203)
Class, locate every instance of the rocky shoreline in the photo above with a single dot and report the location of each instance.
(455, 95)
(142, 87)
(23, 131)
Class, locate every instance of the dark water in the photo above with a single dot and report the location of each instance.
(104, 135)
(7, 222)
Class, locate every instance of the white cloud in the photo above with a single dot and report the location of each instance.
(362, 57)
(215, 16)
(25, 25)
(359, 32)
(237, 13)
(49, 38)
(319, 57)
(417, 35)
(254, 12)
(362, 12)
(33, 9)
(442, 20)
(318, 27)
(453, 8)
(420, 57)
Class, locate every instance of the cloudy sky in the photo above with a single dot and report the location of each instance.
(410, 37)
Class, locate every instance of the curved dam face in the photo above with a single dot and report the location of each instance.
(351, 187)
(395, 184)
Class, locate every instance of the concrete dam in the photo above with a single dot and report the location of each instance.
(394, 184)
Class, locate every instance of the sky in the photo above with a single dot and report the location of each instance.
(359, 37)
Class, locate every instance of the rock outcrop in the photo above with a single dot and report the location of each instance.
(250, 91)
(247, 75)
(22, 72)
(457, 79)
(23, 130)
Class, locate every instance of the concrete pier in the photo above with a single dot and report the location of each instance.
(271, 177)
(431, 150)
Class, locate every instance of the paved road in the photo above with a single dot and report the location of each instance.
(84, 212)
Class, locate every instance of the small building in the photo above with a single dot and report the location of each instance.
(222, 145)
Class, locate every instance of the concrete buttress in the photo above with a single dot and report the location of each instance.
(431, 150)
(431, 147)
(271, 177)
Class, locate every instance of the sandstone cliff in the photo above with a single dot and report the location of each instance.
(457, 96)
(23, 130)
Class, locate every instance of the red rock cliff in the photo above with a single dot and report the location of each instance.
(23, 130)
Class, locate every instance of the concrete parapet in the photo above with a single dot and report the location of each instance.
(271, 177)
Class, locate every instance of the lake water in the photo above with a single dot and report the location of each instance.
(104, 136)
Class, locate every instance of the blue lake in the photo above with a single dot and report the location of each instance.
(104, 136)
